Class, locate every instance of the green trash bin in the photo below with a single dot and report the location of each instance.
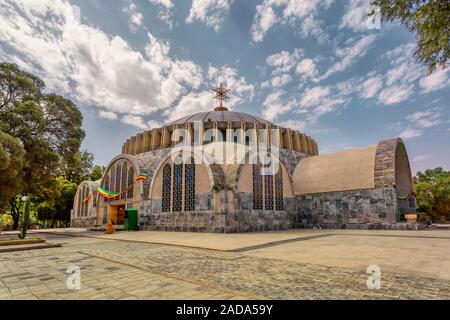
(131, 220)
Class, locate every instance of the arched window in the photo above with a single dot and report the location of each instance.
(268, 192)
(86, 194)
(166, 188)
(79, 196)
(113, 179)
(106, 186)
(279, 189)
(257, 188)
(130, 182)
(118, 176)
(94, 198)
(189, 186)
(124, 181)
(177, 194)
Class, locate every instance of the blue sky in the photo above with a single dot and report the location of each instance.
(312, 65)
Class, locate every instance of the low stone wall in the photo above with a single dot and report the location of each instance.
(194, 221)
(84, 222)
(348, 208)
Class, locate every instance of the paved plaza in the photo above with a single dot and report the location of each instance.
(294, 264)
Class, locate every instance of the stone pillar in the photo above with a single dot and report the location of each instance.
(133, 145)
(310, 146)
(304, 144)
(297, 141)
(138, 146)
(146, 141)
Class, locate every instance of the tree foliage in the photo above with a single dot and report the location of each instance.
(433, 191)
(40, 137)
(11, 163)
(429, 20)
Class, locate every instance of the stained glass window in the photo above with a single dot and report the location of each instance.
(124, 181)
(257, 188)
(94, 198)
(118, 175)
(268, 190)
(106, 186)
(189, 186)
(166, 188)
(113, 179)
(86, 194)
(279, 189)
(80, 195)
(177, 194)
(130, 182)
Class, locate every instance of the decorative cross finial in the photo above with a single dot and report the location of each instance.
(221, 95)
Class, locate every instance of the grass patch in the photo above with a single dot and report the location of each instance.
(20, 240)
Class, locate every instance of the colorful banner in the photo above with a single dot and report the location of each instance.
(112, 195)
(108, 194)
(87, 199)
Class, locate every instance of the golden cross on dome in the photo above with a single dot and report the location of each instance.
(221, 95)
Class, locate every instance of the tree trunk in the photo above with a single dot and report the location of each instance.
(26, 218)
(15, 222)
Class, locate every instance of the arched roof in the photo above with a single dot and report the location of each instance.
(370, 167)
(221, 116)
(347, 170)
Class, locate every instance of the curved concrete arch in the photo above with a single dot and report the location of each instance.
(392, 167)
(233, 172)
(129, 158)
(215, 172)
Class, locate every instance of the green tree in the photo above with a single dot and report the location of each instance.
(11, 163)
(96, 173)
(48, 127)
(80, 167)
(429, 20)
(58, 209)
(433, 191)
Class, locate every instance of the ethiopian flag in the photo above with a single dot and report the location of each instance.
(141, 177)
(108, 194)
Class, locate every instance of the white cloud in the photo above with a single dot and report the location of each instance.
(302, 13)
(435, 81)
(395, 94)
(240, 90)
(264, 19)
(277, 81)
(425, 119)
(90, 66)
(294, 124)
(166, 3)
(371, 87)
(410, 133)
(190, 104)
(355, 16)
(136, 17)
(165, 14)
(136, 121)
(209, 11)
(306, 69)
(349, 55)
(420, 158)
(284, 61)
(273, 105)
(107, 115)
(139, 122)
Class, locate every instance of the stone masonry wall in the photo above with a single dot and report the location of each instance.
(347, 209)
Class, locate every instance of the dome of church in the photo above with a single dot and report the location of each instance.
(221, 116)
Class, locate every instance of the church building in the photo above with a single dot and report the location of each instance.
(225, 171)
